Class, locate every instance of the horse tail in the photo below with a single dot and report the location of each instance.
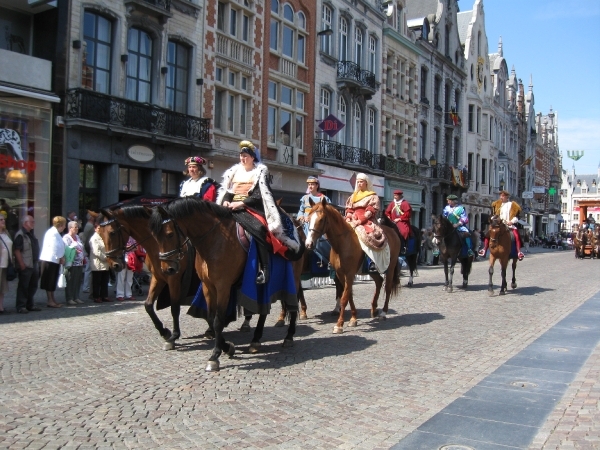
(396, 280)
(467, 265)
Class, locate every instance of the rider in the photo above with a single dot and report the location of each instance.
(509, 212)
(591, 223)
(311, 193)
(246, 191)
(399, 212)
(198, 185)
(362, 208)
(457, 216)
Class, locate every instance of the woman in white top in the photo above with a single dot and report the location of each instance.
(5, 257)
(52, 257)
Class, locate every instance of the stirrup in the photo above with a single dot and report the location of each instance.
(520, 256)
(260, 278)
(482, 252)
(372, 267)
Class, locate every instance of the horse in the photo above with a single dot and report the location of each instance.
(133, 220)
(450, 244)
(411, 256)
(500, 249)
(211, 229)
(347, 256)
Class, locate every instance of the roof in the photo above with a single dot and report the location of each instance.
(585, 180)
(420, 8)
(463, 19)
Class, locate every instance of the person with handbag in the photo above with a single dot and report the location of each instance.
(74, 262)
(125, 276)
(5, 260)
(52, 257)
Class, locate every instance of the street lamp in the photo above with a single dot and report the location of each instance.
(432, 160)
(501, 185)
(325, 32)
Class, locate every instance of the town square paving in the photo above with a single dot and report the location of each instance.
(95, 376)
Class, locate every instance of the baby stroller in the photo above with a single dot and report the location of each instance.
(139, 278)
(135, 262)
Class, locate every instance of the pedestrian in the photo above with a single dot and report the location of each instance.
(5, 257)
(52, 257)
(26, 250)
(125, 276)
(99, 267)
(87, 233)
(429, 247)
(74, 263)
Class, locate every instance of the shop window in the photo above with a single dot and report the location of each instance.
(88, 188)
(170, 184)
(130, 180)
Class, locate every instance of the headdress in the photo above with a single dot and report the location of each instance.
(248, 148)
(195, 160)
(504, 193)
(452, 197)
(398, 191)
(312, 179)
(363, 176)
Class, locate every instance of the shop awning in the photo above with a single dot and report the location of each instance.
(31, 93)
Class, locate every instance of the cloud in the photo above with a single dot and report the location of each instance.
(585, 9)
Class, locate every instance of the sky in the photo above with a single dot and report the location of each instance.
(557, 43)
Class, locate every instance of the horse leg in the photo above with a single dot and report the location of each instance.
(339, 291)
(175, 311)
(303, 315)
(412, 265)
(446, 274)
(346, 296)
(491, 272)
(288, 341)
(245, 328)
(451, 275)
(378, 282)
(503, 272)
(220, 346)
(281, 319)
(513, 284)
(258, 332)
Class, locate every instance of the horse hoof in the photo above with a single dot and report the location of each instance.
(212, 366)
(514, 285)
(352, 323)
(445, 288)
(166, 334)
(375, 313)
(288, 343)
(381, 316)
(231, 350)
(490, 293)
(303, 316)
(254, 347)
(245, 328)
(450, 288)
(409, 284)
(502, 293)
(209, 334)
(280, 323)
(338, 330)
(169, 345)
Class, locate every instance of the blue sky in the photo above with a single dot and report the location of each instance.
(557, 42)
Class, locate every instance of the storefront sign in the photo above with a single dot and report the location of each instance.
(140, 153)
(527, 194)
(8, 162)
(538, 189)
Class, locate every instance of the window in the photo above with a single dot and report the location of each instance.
(424, 74)
(245, 28)
(285, 123)
(400, 140)
(409, 141)
(221, 7)
(177, 77)
(356, 126)
(372, 54)
(326, 14)
(478, 120)
(324, 103)
(97, 33)
(130, 180)
(343, 40)
(139, 66)
(423, 140)
(170, 184)
(483, 171)
(88, 187)
(274, 42)
(436, 91)
(471, 117)
(436, 144)
(232, 102)
(293, 42)
(233, 22)
(372, 144)
(358, 46)
(275, 6)
(343, 116)
(411, 82)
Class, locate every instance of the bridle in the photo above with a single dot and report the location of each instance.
(177, 254)
(121, 247)
(502, 228)
(324, 222)
(439, 237)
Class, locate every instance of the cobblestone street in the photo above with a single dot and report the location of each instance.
(95, 376)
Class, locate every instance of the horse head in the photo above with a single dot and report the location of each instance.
(442, 228)
(115, 238)
(170, 238)
(496, 229)
(317, 222)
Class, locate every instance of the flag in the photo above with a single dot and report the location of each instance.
(454, 116)
(527, 161)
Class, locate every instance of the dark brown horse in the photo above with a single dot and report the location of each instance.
(450, 244)
(347, 257)
(500, 249)
(133, 221)
(211, 229)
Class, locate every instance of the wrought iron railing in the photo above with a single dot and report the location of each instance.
(445, 172)
(97, 107)
(351, 71)
(334, 151)
(163, 4)
(399, 167)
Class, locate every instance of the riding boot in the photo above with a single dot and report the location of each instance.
(263, 274)
(520, 254)
(402, 245)
(486, 244)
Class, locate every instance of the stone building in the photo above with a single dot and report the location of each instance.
(577, 191)
(441, 101)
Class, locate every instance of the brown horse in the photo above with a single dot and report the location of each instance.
(347, 256)
(446, 237)
(500, 249)
(211, 229)
(133, 221)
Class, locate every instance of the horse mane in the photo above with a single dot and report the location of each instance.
(134, 212)
(185, 207)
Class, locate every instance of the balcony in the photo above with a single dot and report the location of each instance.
(355, 79)
(230, 48)
(106, 109)
(450, 175)
(334, 152)
(398, 167)
(160, 9)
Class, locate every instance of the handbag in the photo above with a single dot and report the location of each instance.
(62, 281)
(11, 271)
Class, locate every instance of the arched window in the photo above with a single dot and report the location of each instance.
(139, 66)
(358, 46)
(372, 141)
(372, 54)
(343, 39)
(326, 21)
(96, 68)
(343, 116)
(356, 126)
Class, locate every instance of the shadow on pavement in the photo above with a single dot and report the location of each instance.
(403, 320)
